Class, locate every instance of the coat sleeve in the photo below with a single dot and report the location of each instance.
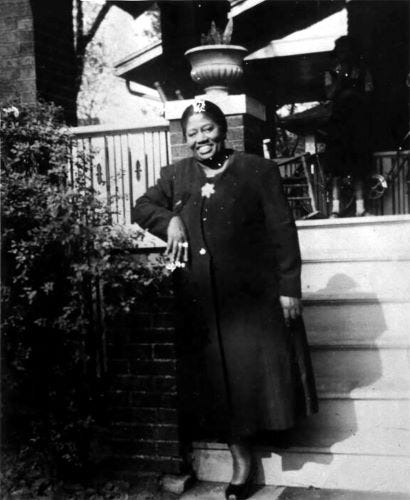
(153, 210)
(282, 229)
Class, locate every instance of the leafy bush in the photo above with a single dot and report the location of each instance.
(57, 260)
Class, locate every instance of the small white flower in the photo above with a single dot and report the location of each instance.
(207, 190)
(170, 266)
(11, 110)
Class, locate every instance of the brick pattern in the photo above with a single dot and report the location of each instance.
(17, 58)
(143, 416)
(245, 133)
(37, 57)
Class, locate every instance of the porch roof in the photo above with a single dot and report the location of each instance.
(125, 67)
(319, 37)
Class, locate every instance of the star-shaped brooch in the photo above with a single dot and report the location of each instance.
(207, 190)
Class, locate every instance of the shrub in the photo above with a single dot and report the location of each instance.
(57, 259)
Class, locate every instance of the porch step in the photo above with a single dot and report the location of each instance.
(360, 366)
(371, 461)
(337, 321)
(307, 467)
(350, 278)
(351, 388)
(216, 491)
(354, 414)
(356, 238)
(380, 441)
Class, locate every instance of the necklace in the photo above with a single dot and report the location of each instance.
(212, 168)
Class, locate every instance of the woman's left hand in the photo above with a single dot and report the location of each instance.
(291, 307)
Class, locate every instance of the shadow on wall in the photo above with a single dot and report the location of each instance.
(342, 331)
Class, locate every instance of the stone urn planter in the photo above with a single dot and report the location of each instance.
(216, 67)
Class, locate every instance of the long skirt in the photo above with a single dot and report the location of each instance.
(242, 376)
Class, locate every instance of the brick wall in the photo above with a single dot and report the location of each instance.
(37, 57)
(142, 412)
(245, 133)
(17, 57)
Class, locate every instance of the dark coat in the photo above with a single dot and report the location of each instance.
(241, 369)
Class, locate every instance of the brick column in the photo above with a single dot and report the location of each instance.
(246, 123)
(142, 434)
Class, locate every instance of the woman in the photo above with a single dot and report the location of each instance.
(229, 229)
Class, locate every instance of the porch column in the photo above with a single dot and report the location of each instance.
(246, 119)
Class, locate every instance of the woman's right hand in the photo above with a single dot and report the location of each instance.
(177, 243)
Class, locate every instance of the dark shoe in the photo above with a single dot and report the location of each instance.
(240, 491)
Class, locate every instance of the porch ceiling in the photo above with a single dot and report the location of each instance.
(287, 79)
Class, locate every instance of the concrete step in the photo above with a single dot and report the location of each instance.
(351, 388)
(394, 442)
(364, 238)
(361, 367)
(345, 404)
(378, 460)
(216, 491)
(364, 321)
(369, 279)
(360, 414)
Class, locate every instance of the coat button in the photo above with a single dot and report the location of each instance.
(202, 251)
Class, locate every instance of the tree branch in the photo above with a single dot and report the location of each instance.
(86, 38)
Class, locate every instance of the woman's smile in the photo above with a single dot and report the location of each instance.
(205, 149)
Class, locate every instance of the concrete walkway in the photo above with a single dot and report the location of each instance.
(215, 491)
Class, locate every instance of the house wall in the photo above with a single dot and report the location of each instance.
(37, 57)
(17, 54)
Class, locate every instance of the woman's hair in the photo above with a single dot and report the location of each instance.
(207, 108)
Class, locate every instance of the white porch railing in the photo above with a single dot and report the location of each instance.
(394, 166)
(126, 161)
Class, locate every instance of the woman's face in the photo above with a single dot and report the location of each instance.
(204, 136)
